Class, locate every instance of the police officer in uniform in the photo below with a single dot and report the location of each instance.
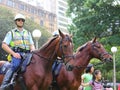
(16, 42)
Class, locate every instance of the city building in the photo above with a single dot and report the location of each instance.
(37, 13)
(58, 7)
(62, 20)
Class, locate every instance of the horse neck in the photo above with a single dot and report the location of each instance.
(49, 53)
(81, 59)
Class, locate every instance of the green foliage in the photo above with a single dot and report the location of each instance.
(96, 18)
(7, 24)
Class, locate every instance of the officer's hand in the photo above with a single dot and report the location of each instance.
(17, 55)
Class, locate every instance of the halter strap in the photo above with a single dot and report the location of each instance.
(65, 56)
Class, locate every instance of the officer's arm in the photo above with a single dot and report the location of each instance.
(10, 51)
(7, 48)
(32, 47)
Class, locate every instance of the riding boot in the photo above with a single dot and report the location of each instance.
(6, 79)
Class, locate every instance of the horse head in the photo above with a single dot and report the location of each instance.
(98, 51)
(64, 48)
(91, 49)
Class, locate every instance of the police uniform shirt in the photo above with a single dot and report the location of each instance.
(8, 37)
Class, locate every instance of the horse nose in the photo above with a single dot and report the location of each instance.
(111, 59)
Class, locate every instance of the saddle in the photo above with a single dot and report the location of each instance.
(56, 67)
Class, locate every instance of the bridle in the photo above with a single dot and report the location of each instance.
(101, 55)
(63, 57)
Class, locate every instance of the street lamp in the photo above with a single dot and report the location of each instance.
(36, 35)
(114, 50)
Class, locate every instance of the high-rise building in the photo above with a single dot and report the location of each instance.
(62, 20)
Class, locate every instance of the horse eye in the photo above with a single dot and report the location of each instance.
(65, 46)
(98, 46)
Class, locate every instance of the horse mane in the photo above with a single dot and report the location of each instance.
(44, 46)
(82, 47)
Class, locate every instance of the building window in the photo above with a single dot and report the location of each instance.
(32, 10)
(65, 0)
(62, 4)
(35, 11)
(22, 7)
(41, 13)
(51, 17)
(61, 13)
(10, 3)
(28, 9)
(61, 8)
(62, 24)
(41, 23)
(63, 19)
(51, 27)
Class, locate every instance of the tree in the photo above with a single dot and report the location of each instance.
(92, 18)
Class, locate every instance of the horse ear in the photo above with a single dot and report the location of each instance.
(61, 34)
(94, 40)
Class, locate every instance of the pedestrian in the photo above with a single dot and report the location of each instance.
(96, 82)
(87, 77)
(16, 42)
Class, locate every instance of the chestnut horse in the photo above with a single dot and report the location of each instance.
(71, 80)
(38, 74)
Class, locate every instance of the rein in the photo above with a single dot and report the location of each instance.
(47, 59)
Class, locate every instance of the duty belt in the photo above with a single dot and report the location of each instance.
(17, 49)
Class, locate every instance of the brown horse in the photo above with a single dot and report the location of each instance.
(38, 74)
(70, 80)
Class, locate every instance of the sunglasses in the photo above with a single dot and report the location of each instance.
(20, 20)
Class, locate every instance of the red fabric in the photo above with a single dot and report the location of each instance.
(119, 87)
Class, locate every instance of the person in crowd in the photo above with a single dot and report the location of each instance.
(87, 77)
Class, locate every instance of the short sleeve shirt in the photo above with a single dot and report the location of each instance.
(96, 85)
(87, 78)
(8, 37)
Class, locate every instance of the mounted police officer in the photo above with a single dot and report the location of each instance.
(16, 42)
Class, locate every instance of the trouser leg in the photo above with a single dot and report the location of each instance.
(6, 79)
(9, 74)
